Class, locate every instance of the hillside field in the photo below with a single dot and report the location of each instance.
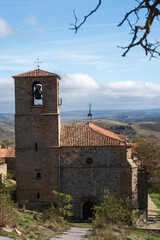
(142, 129)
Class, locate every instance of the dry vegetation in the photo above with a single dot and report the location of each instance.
(114, 232)
(33, 225)
(18, 223)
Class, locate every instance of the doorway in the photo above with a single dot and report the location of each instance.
(88, 210)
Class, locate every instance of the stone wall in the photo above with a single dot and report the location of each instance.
(23, 95)
(41, 129)
(3, 171)
(37, 174)
(143, 190)
(37, 138)
(86, 180)
(10, 161)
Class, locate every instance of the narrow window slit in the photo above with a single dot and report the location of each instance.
(36, 146)
(38, 195)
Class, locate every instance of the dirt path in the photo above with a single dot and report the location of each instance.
(75, 233)
(153, 222)
(5, 238)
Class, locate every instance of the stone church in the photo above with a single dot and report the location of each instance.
(81, 160)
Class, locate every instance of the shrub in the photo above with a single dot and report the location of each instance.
(8, 215)
(61, 204)
(8, 187)
(112, 210)
(103, 234)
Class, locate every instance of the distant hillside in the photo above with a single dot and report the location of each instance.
(124, 116)
(141, 123)
(129, 130)
(7, 126)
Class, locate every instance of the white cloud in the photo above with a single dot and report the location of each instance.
(77, 90)
(5, 28)
(31, 21)
(6, 82)
(84, 83)
(78, 81)
(6, 90)
(132, 89)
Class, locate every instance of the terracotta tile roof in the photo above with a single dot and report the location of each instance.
(10, 152)
(88, 135)
(104, 131)
(36, 73)
(7, 152)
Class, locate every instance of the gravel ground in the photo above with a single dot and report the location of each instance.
(75, 233)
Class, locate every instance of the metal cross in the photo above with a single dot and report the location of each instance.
(38, 62)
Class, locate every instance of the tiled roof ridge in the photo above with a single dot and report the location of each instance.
(36, 73)
(88, 135)
(105, 132)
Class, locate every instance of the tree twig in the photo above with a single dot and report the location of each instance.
(75, 26)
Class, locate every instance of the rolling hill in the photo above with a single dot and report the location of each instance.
(142, 123)
(7, 127)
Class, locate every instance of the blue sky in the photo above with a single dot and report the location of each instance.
(90, 64)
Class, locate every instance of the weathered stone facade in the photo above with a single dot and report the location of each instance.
(37, 137)
(78, 160)
(86, 182)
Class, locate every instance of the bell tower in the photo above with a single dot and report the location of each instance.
(37, 133)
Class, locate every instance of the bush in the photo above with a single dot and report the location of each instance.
(61, 204)
(113, 210)
(8, 215)
(8, 187)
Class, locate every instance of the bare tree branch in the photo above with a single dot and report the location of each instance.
(141, 32)
(75, 26)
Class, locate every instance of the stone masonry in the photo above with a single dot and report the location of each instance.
(37, 137)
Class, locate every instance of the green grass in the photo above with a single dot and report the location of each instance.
(155, 198)
(122, 233)
(82, 224)
(144, 235)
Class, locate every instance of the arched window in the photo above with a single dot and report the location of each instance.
(37, 96)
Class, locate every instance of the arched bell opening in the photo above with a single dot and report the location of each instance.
(37, 95)
(88, 210)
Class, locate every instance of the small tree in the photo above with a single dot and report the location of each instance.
(147, 153)
(61, 204)
(113, 210)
